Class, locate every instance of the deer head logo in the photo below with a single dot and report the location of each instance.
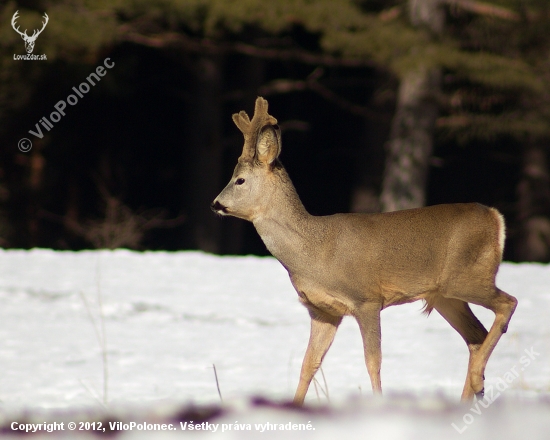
(29, 41)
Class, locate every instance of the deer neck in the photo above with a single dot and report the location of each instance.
(285, 226)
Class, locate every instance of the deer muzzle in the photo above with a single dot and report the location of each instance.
(218, 208)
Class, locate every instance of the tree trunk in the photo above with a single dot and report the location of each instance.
(204, 152)
(252, 76)
(370, 167)
(533, 242)
(411, 139)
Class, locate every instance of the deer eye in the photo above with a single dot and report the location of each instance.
(239, 181)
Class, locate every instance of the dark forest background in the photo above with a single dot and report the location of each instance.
(383, 104)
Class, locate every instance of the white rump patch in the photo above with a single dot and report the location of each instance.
(501, 229)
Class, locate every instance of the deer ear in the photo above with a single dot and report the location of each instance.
(268, 146)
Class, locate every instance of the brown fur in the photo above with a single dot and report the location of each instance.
(359, 264)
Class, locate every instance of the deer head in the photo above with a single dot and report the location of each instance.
(248, 191)
(29, 41)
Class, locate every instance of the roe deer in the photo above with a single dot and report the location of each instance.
(359, 264)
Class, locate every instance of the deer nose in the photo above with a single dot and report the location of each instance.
(217, 206)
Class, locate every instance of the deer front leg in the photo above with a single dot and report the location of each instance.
(368, 318)
(323, 329)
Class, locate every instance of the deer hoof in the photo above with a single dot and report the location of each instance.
(480, 394)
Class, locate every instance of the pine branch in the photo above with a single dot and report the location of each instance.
(208, 46)
(482, 8)
(312, 83)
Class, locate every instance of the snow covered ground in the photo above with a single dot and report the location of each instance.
(169, 317)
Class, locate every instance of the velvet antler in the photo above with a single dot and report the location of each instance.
(251, 128)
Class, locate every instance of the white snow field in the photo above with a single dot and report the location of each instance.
(167, 318)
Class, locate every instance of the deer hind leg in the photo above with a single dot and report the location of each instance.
(503, 306)
(459, 315)
(368, 318)
(323, 329)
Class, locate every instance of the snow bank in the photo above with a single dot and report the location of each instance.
(168, 317)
